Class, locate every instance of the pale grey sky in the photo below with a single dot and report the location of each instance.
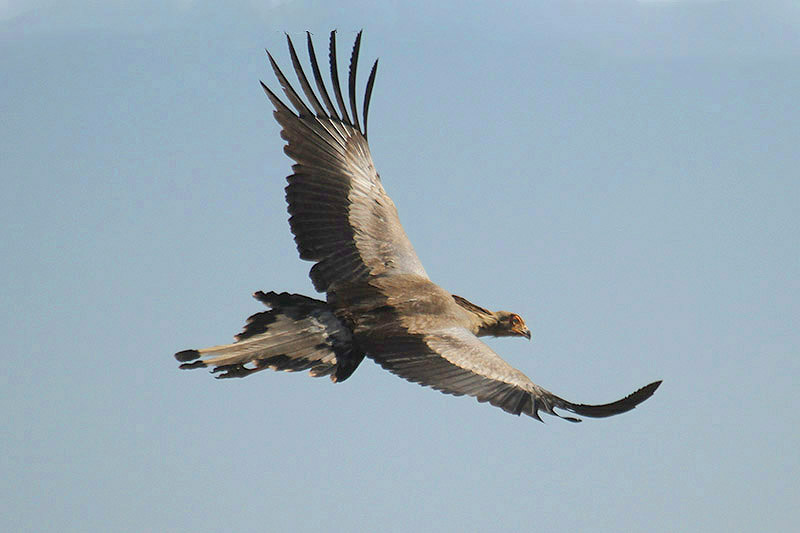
(623, 174)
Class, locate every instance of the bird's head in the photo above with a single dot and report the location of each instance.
(510, 325)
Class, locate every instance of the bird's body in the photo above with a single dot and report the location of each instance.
(380, 302)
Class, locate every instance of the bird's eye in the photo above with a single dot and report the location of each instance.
(515, 320)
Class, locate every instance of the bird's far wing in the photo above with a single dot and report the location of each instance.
(340, 215)
(454, 361)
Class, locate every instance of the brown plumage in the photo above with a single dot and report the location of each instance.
(380, 302)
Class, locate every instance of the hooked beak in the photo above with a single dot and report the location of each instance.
(526, 333)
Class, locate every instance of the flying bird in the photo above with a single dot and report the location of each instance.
(379, 302)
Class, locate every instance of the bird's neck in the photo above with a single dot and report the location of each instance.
(482, 321)
(489, 325)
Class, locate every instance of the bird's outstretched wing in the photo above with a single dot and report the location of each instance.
(340, 215)
(454, 361)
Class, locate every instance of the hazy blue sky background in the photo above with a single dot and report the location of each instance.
(623, 174)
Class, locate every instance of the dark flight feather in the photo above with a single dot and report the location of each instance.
(337, 89)
(351, 80)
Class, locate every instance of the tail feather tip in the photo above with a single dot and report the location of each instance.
(187, 355)
(196, 364)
